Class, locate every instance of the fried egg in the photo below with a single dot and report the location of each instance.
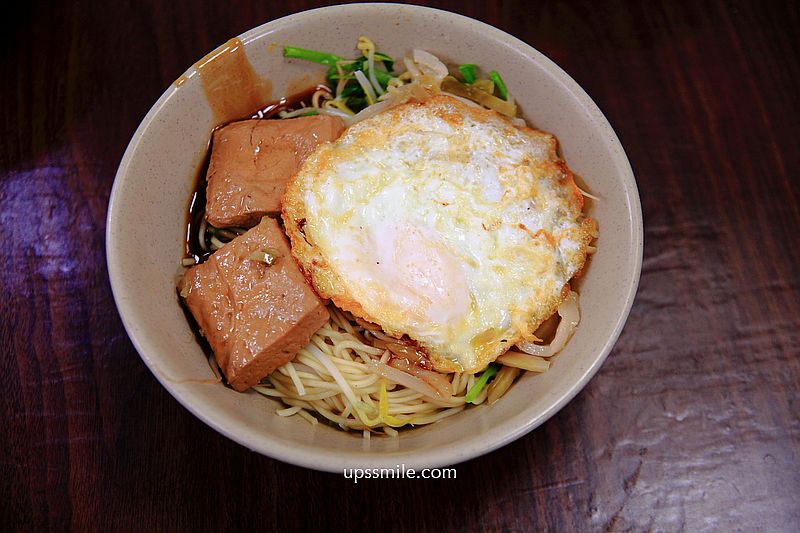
(442, 222)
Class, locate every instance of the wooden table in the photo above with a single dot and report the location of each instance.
(691, 424)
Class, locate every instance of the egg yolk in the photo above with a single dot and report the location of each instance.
(411, 277)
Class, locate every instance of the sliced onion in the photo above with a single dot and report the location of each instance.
(570, 317)
(430, 64)
(434, 379)
(451, 85)
(501, 383)
(367, 325)
(401, 350)
(411, 67)
(372, 110)
(524, 361)
(406, 380)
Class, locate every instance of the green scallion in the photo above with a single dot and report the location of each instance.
(325, 58)
(498, 82)
(469, 72)
(476, 389)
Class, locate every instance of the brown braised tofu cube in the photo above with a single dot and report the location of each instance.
(255, 316)
(252, 161)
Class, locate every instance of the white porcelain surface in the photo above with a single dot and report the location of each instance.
(156, 177)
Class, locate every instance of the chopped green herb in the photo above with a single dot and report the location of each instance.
(341, 75)
(469, 72)
(352, 93)
(325, 58)
(498, 82)
(476, 389)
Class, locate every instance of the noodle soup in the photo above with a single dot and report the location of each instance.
(350, 372)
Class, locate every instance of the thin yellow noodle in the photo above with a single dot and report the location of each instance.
(279, 386)
(347, 364)
(266, 391)
(318, 386)
(299, 403)
(289, 411)
(452, 402)
(283, 379)
(438, 416)
(311, 392)
(337, 337)
(365, 384)
(403, 395)
(359, 347)
(321, 409)
(319, 342)
(311, 380)
(340, 386)
(335, 403)
(395, 409)
(320, 395)
(305, 414)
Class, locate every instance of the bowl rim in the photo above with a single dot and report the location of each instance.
(459, 451)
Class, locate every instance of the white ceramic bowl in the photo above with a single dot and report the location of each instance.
(146, 224)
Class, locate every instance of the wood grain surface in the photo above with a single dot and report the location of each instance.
(692, 423)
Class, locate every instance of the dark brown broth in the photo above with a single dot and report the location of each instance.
(197, 202)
